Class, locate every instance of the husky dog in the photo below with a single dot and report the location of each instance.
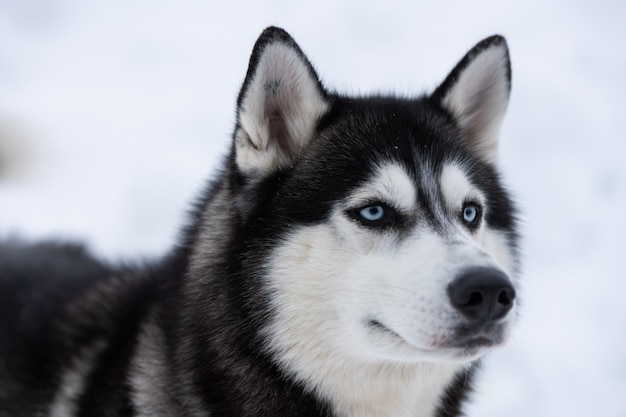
(355, 257)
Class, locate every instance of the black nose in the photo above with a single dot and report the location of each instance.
(482, 294)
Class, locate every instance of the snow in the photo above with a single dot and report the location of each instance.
(119, 111)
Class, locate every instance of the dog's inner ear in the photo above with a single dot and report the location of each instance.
(279, 105)
(477, 93)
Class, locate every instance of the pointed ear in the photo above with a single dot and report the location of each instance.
(476, 93)
(279, 105)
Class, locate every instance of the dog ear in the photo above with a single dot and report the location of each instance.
(476, 93)
(280, 103)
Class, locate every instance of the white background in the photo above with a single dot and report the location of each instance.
(113, 113)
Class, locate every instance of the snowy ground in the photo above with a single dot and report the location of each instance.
(119, 110)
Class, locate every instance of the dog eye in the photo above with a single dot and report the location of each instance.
(372, 213)
(471, 214)
(377, 215)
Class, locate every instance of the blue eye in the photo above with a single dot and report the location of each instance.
(372, 213)
(377, 215)
(471, 213)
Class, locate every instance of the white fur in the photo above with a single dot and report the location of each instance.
(150, 378)
(73, 381)
(391, 185)
(480, 97)
(456, 187)
(330, 281)
(282, 92)
(320, 338)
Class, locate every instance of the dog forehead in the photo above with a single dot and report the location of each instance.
(375, 128)
(389, 148)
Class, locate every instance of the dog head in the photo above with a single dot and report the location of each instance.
(378, 225)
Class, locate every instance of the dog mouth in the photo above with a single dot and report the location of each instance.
(459, 345)
(380, 327)
(390, 340)
(476, 343)
(472, 346)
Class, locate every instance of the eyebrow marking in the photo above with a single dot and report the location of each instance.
(390, 184)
